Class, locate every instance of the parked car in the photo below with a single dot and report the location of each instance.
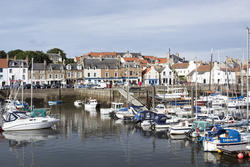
(27, 86)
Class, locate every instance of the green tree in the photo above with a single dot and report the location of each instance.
(69, 61)
(13, 53)
(3, 54)
(57, 50)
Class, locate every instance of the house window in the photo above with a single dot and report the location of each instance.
(75, 74)
(24, 70)
(50, 76)
(88, 74)
(40, 77)
(62, 76)
(125, 73)
(10, 71)
(69, 74)
(1, 70)
(107, 74)
(131, 73)
(13, 77)
(116, 75)
(1, 76)
(164, 73)
(170, 73)
(204, 81)
(94, 74)
(136, 73)
(79, 75)
(56, 76)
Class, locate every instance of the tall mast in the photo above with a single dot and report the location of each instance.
(241, 68)
(227, 88)
(196, 92)
(210, 76)
(22, 83)
(31, 89)
(247, 69)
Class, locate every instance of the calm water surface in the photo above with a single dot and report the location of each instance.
(85, 138)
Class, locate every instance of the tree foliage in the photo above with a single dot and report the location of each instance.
(38, 56)
(57, 50)
(3, 54)
(69, 61)
(14, 53)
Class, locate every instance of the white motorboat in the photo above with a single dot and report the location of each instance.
(78, 103)
(16, 120)
(91, 105)
(160, 109)
(114, 107)
(180, 129)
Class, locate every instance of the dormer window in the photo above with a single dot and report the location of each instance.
(68, 67)
(79, 67)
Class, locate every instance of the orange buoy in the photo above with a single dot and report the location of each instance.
(240, 156)
(248, 154)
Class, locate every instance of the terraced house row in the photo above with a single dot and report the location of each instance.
(122, 67)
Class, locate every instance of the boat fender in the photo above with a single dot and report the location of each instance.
(240, 156)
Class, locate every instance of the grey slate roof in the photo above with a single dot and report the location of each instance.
(17, 64)
(38, 66)
(55, 67)
(101, 63)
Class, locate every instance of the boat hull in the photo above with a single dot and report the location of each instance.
(30, 124)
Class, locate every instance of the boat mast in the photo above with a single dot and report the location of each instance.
(241, 68)
(22, 83)
(31, 89)
(128, 82)
(247, 69)
(227, 88)
(196, 92)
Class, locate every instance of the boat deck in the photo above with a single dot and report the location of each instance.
(234, 149)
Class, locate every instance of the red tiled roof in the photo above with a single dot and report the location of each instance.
(162, 60)
(131, 59)
(101, 54)
(78, 58)
(150, 57)
(204, 68)
(180, 65)
(3, 63)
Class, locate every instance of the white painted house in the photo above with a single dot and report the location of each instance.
(184, 68)
(218, 75)
(3, 72)
(17, 71)
(167, 75)
(150, 76)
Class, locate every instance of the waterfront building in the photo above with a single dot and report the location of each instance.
(39, 73)
(131, 71)
(150, 76)
(219, 74)
(55, 74)
(167, 75)
(183, 69)
(17, 72)
(3, 72)
(74, 74)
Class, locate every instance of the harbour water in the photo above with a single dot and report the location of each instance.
(84, 138)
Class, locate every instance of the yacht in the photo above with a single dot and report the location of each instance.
(16, 120)
(91, 104)
(114, 107)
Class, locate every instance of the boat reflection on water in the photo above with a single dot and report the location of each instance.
(178, 137)
(17, 138)
(211, 157)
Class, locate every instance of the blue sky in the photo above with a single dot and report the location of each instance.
(151, 27)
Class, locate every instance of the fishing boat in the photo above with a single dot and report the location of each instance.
(114, 107)
(55, 102)
(78, 103)
(180, 129)
(16, 120)
(221, 137)
(91, 104)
